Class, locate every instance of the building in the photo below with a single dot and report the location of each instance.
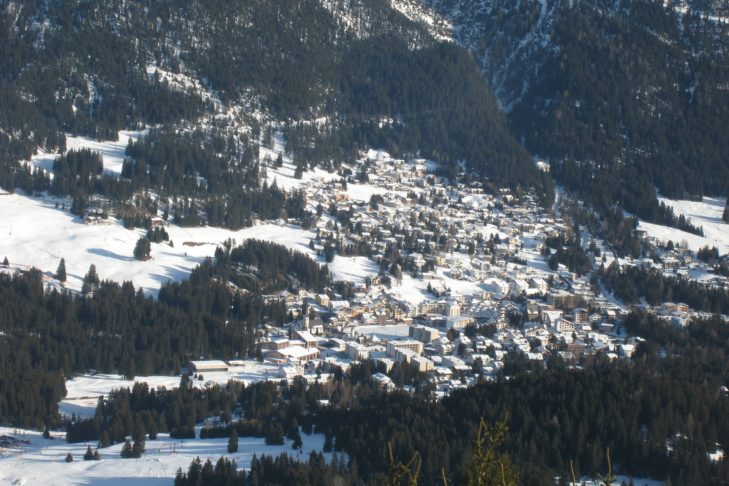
(277, 343)
(564, 325)
(550, 317)
(453, 362)
(293, 354)
(452, 309)
(322, 300)
(539, 284)
(423, 333)
(580, 315)
(423, 364)
(458, 322)
(411, 344)
(307, 338)
(207, 366)
(357, 351)
(564, 300)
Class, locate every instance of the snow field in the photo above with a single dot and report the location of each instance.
(112, 152)
(36, 460)
(353, 269)
(284, 175)
(706, 214)
(35, 233)
(30, 459)
(83, 391)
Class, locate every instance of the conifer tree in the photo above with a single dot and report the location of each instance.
(142, 249)
(91, 280)
(69, 457)
(61, 271)
(127, 451)
(233, 441)
(91, 276)
(140, 435)
(488, 466)
(137, 449)
(6, 263)
(725, 216)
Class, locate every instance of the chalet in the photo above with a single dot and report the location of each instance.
(550, 317)
(357, 351)
(532, 308)
(383, 381)
(322, 300)
(458, 322)
(96, 216)
(453, 362)
(289, 372)
(539, 284)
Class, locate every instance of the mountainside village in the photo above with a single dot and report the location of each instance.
(472, 283)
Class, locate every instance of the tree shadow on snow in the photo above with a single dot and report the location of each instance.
(110, 254)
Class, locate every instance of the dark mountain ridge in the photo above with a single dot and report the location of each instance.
(621, 96)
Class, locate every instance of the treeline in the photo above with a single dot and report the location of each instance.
(567, 251)
(76, 172)
(275, 265)
(441, 109)
(176, 411)
(192, 164)
(659, 413)
(198, 178)
(618, 229)
(617, 95)
(631, 284)
(282, 469)
(272, 411)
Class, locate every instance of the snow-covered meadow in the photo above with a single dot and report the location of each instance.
(705, 213)
(84, 391)
(28, 459)
(112, 152)
(34, 232)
